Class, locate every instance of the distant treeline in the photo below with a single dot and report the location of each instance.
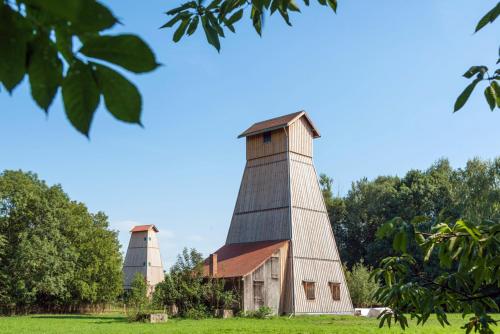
(55, 256)
(439, 193)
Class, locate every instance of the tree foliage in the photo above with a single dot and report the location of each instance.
(55, 255)
(219, 16)
(61, 44)
(439, 193)
(194, 295)
(481, 72)
(361, 286)
(469, 283)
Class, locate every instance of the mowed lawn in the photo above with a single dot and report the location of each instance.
(115, 323)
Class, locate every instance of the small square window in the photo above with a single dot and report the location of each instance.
(309, 289)
(145, 238)
(335, 290)
(267, 137)
(144, 264)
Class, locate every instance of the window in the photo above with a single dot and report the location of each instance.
(258, 294)
(309, 289)
(267, 137)
(145, 238)
(144, 264)
(275, 267)
(149, 264)
(335, 290)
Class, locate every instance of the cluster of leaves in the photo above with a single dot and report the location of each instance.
(481, 73)
(56, 256)
(59, 44)
(361, 287)
(194, 295)
(220, 15)
(137, 298)
(468, 253)
(438, 193)
(263, 312)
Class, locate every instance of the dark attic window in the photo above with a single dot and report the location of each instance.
(267, 137)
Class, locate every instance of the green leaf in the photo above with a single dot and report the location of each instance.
(464, 96)
(187, 5)
(84, 15)
(173, 21)
(293, 6)
(80, 96)
(121, 97)
(45, 71)
(215, 24)
(210, 33)
(333, 4)
(193, 25)
(488, 17)
(127, 51)
(236, 17)
(491, 98)
(14, 35)
(496, 88)
(475, 70)
(181, 30)
(64, 43)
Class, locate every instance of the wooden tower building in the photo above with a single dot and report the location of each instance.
(143, 256)
(280, 250)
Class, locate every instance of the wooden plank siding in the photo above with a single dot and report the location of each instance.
(300, 137)
(143, 256)
(280, 199)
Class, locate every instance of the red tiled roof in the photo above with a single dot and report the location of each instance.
(277, 123)
(237, 260)
(143, 228)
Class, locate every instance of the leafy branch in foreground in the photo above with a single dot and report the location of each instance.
(37, 39)
(469, 256)
(492, 91)
(219, 15)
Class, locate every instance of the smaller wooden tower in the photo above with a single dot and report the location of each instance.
(143, 256)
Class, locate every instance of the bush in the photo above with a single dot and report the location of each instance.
(361, 287)
(195, 296)
(264, 312)
(200, 312)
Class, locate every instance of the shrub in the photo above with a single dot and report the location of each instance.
(264, 312)
(361, 287)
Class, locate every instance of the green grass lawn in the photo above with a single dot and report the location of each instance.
(116, 323)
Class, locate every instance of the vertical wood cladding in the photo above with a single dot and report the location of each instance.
(280, 199)
(143, 256)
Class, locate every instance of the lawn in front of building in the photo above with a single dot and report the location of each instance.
(117, 323)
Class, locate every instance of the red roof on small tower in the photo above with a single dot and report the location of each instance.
(278, 123)
(144, 228)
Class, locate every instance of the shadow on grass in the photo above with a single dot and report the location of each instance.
(103, 319)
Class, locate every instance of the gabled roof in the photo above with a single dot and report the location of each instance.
(278, 123)
(237, 260)
(143, 228)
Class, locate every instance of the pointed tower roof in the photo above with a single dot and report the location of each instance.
(278, 123)
(144, 228)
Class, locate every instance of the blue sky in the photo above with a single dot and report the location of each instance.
(379, 79)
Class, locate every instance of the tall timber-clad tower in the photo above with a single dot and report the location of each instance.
(143, 256)
(280, 200)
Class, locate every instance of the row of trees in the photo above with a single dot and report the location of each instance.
(433, 237)
(54, 254)
(439, 193)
